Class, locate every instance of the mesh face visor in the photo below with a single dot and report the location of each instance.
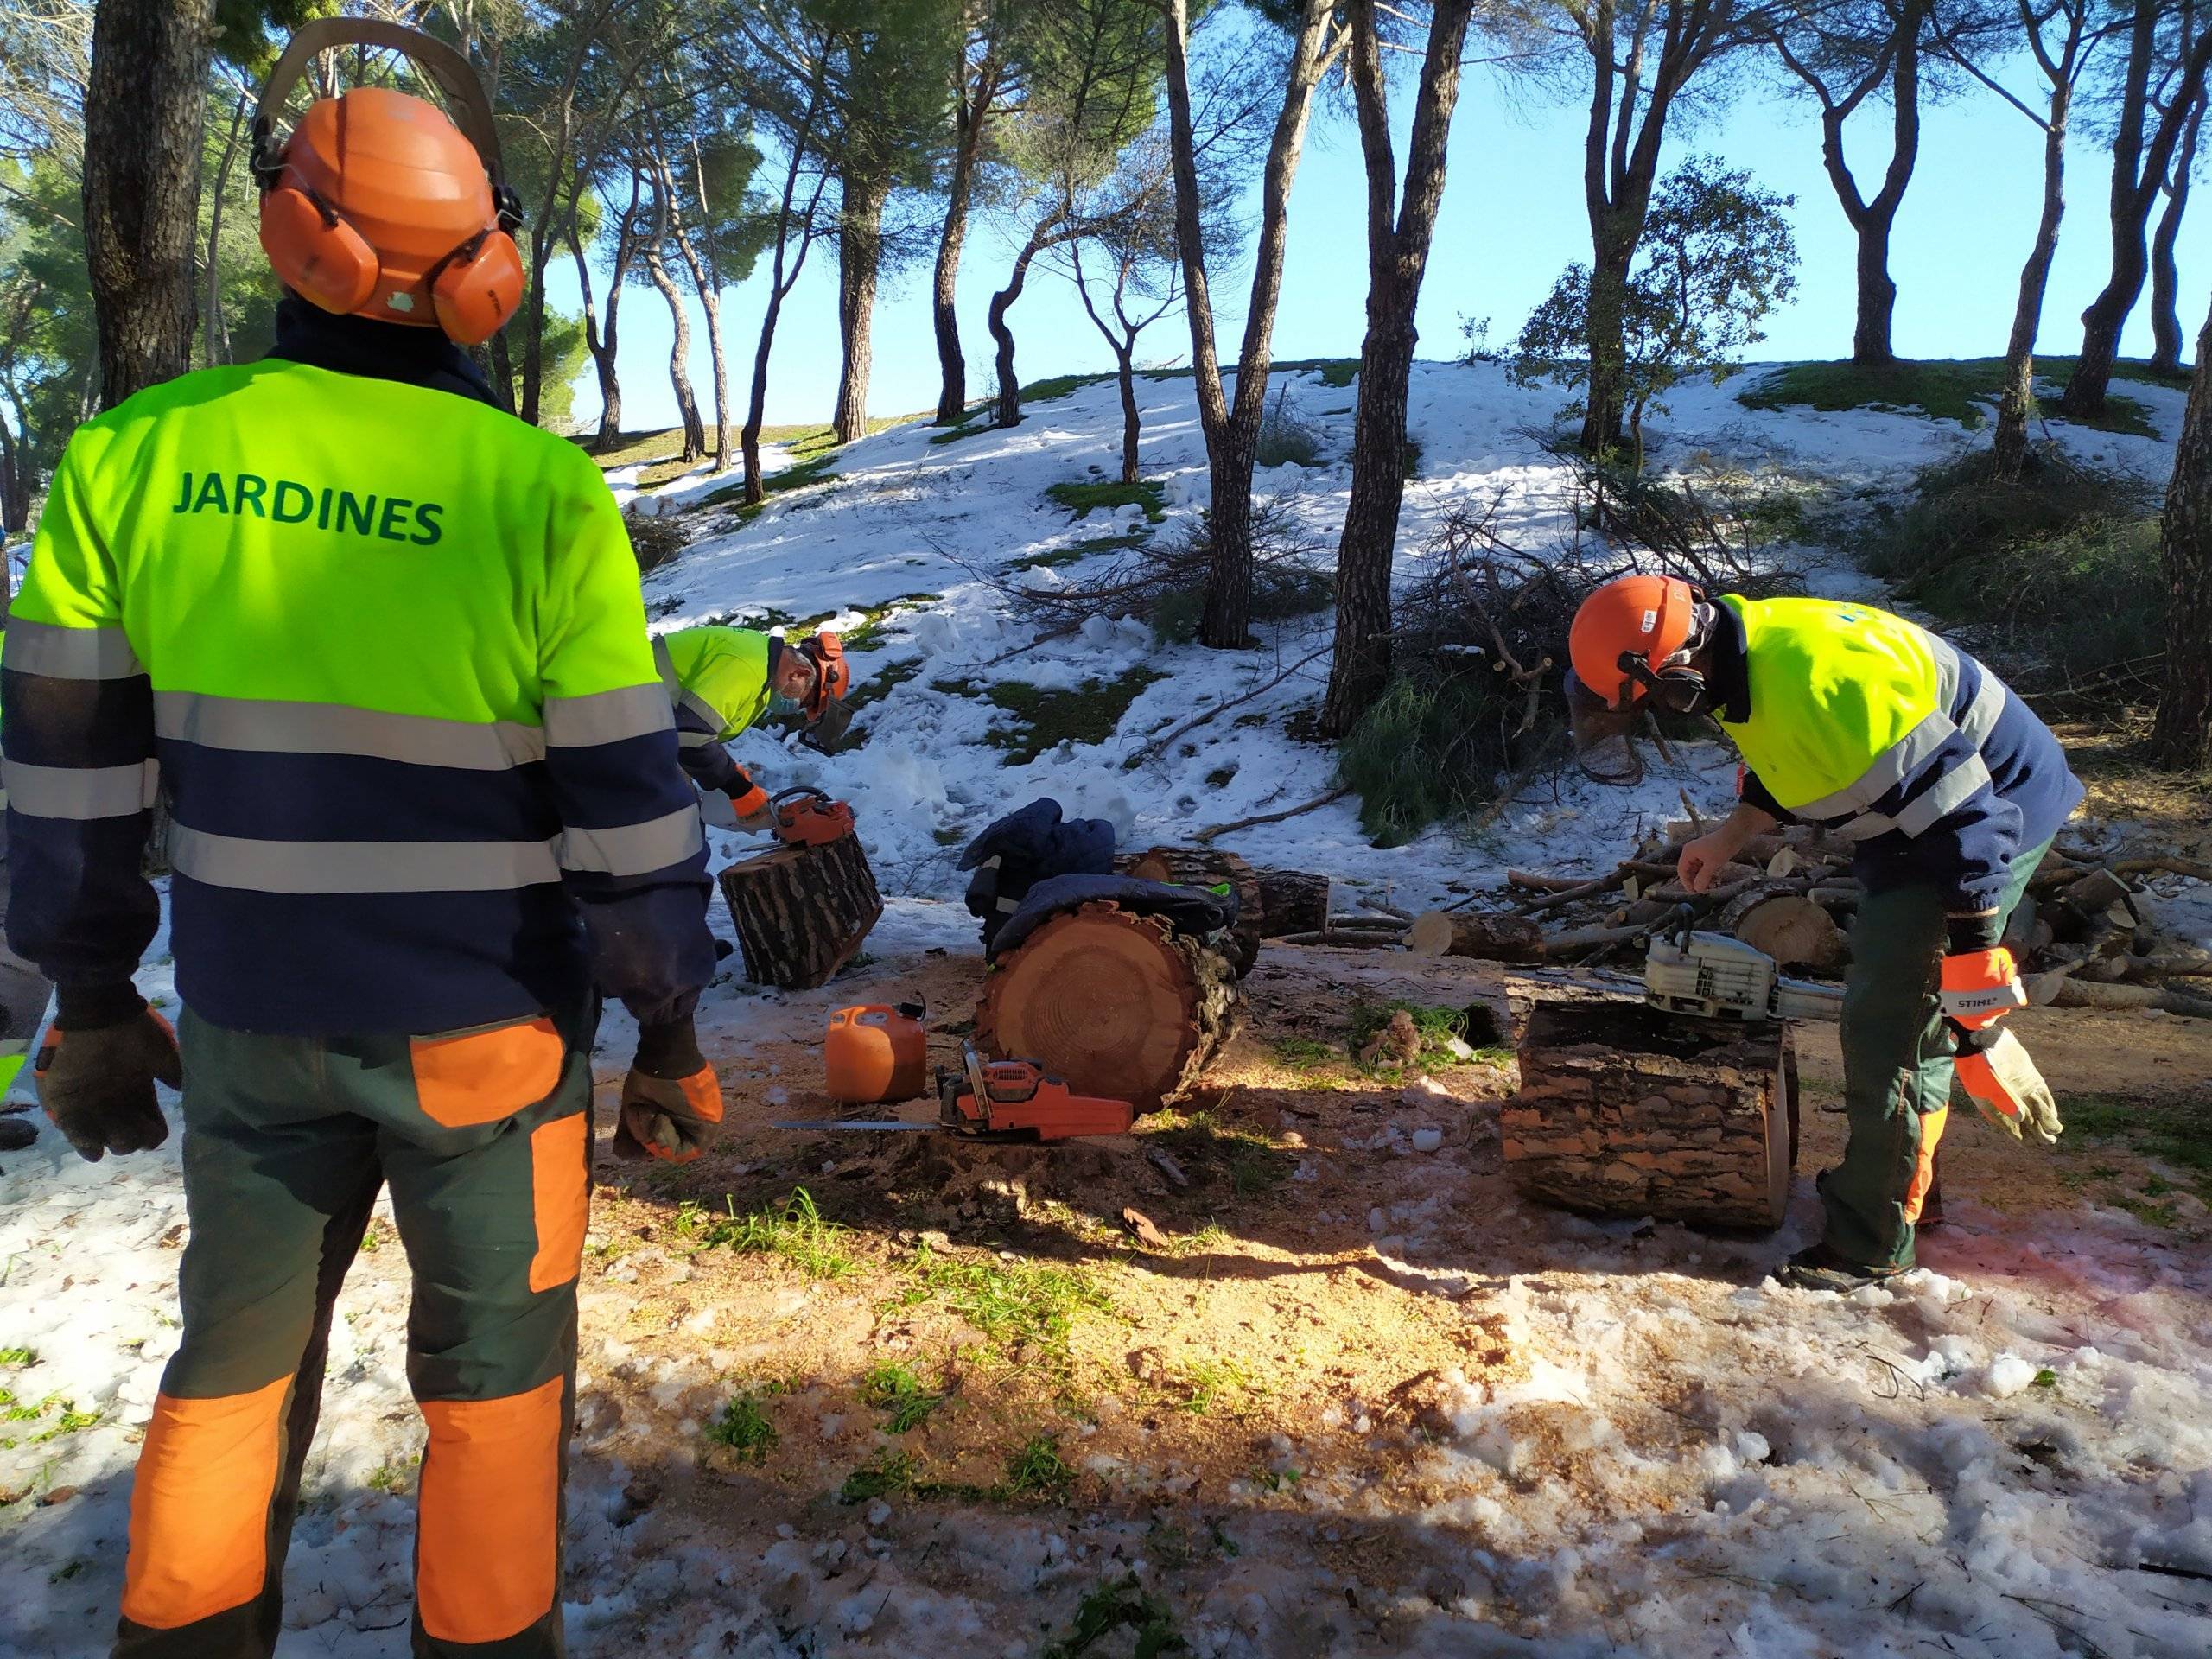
(1605, 737)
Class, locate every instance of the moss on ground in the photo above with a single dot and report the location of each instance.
(1962, 390)
(1046, 717)
(1083, 497)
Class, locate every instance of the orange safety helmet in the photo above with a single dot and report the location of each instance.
(378, 205)
(1628, 632)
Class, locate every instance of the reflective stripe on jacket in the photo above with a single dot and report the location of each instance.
(1875, 729)
(386, 647)
(716, 681)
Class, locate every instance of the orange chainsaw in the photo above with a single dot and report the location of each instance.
(1003, 1100)
(807, 818)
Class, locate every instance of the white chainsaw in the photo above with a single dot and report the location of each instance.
(1713, 976)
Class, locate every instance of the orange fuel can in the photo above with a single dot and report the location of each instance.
(875, 1054)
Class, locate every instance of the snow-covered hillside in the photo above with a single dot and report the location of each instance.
(1682, 1460)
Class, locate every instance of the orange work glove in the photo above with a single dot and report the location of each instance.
(1980, 988)
(671, 1101)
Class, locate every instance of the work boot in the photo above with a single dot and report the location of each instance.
(1820, 1269)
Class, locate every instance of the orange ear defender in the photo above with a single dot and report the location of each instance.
(381, 205)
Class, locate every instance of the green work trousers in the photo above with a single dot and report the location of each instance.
(484, 1137)
(1896, 1070)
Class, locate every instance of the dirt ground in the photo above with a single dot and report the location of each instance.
(1274, 1358)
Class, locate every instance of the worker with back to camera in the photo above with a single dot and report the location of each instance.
(721, 680)
(1875, 729)
(384, 645)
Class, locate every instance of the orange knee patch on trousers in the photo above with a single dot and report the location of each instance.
(560, 1187)
(488, 1555)
(200, 1506)
(1923, 1170)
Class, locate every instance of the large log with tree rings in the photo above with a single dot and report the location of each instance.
(1624, 1110)
(802, 912)
(1117, 1004)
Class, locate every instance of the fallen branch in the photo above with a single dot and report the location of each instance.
(1346, 940)
(1206, 836)
(2074, 994)
(2164, 863)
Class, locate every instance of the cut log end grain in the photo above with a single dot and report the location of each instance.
(1792, 928)
(1116, 1004)
(802, 912)
(1626, 1111)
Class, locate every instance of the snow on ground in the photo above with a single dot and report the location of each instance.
(1957, 1464)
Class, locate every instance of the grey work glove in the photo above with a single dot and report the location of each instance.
(97, 1084)
(2007, 1087)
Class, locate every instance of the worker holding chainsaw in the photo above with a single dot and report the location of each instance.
(385, 648)
(1874, 729)
(721, 680)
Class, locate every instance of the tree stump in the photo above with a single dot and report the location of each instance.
(1459, 934)
(802, 912)
(1293, 901)
(1118, 1005)
(1627, 1111)
(1202, 867)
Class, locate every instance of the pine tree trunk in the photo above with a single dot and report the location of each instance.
(499, 370)
(756, 408)
(2182, 736)
(1871, 344)
(533, 326)
(1397, 262)
(2084, 397)
(1227, 621)
(1125, 377)
(944, 280)
(1606, 402)
(860, 259)
(144, 106)
(679, 356)
(1008, 412)
(710, 301)
(2166, 274)
(2016, 402)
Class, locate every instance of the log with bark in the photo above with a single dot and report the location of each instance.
(1292, 901)
(1794, 929)
(802, 912)
(1117, 1004)
(1493, 937)
(1626, 1111)
(1204, 867)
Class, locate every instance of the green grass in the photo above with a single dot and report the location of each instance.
(1305, 1053)
(1435, 1026)
(1211, 1385)
(872, 631)
(886, 1472)
(898, 1391)
(878, 685)
(1016, 1305)
(744, 1429)
(18, 1356)
(1244, 1159)
(2045, 1378)
(796, 1233)
(2175, 1131)
(1046, 717)
(1122, 1604)
(1083, 497)
(66, 1419)
(818, 469)
(1074, 552)
(1038, 1470)
(1962, 389)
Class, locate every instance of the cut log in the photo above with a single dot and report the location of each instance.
(1627, 1111)
(1202, 867)
(1494, 938)
(1292, 901)
(2071, 992)
(802, 912)
(1117, 1005)
(1790, 928)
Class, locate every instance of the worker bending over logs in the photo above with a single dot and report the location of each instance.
(1877, 730)
(721, 680)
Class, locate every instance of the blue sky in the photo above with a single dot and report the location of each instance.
(1512, 218)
